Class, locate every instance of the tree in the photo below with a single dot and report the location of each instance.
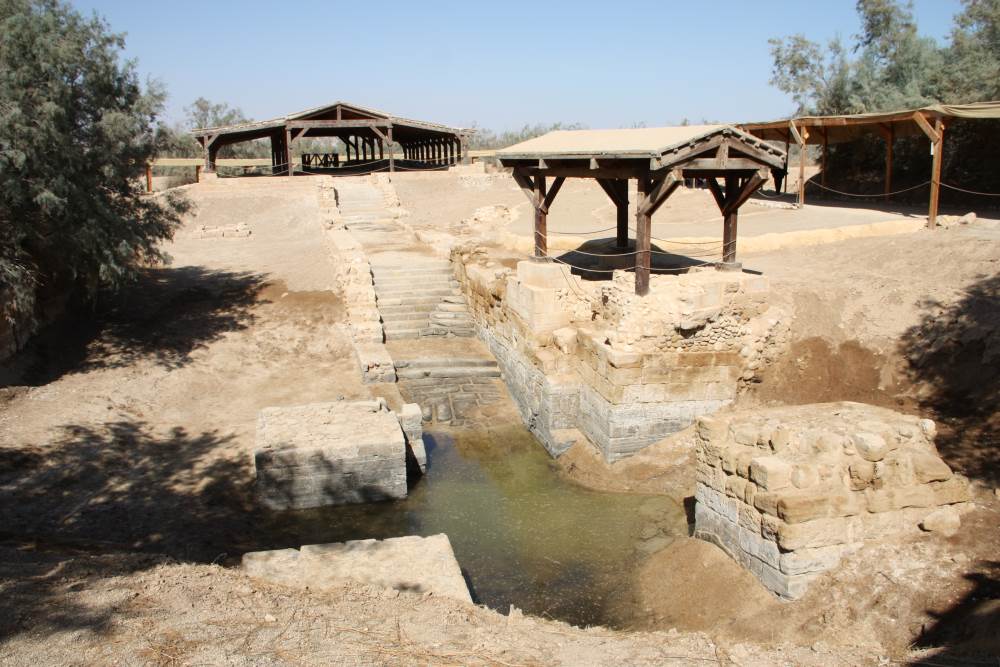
(76, 130)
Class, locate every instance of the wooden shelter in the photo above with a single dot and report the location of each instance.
(659, 158)
(825, 130)
(368, 135)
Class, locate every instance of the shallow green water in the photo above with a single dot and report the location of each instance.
(523, 535)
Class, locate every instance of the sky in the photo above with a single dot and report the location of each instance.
(496, 65)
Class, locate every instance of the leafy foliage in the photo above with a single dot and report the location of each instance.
(76, 129)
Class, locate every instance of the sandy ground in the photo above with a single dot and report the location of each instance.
(124, 443)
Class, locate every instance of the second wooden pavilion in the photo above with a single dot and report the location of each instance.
(733, 163)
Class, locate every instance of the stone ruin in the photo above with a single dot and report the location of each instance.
(336, 453)
(592, 361)
(786, 492)
(410, 564)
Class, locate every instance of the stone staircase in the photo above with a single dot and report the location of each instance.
(420, 299)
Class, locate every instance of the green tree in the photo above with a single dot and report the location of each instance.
(76, 129)
(972, 64)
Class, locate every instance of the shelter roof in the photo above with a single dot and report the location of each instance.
(660, 146)
(847, 127)
(357, 112)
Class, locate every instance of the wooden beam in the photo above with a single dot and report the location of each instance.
(610, 187)
(712, 164)
(722, 155)
(149, 177)
(659, 192)
(922, 123)
(643, 229)
(388, 147)
(294, 124)
(525, 182)
(826, 148)
(720, 197)
(804, 136)
(551, 194)
(737, 198)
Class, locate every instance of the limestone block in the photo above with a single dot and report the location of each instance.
(929, 468)
(411, 421)
(549, 275)
(375, 362)
(771, 473)
(329, 454)
(945, 520)
(816, 559)
(411, 564)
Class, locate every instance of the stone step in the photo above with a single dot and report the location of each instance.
(412, 271)
(424, 280)
(423, 309)
(417, 300)
(409, 320)
(402, 334)
(403, 293)
(450, 361)
(447, 372)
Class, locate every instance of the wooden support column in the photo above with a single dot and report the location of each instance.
(392, 159)
(936, 136)
(617, 191)
(889, 134)
(938, 148)
(801, 136)
(197, 173)
(729, 221)
(643, 243)
(822, 177)
(149, 177)
(541, 199)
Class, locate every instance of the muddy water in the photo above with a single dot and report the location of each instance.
(523, 535)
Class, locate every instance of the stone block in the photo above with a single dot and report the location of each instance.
(411, 564)
(806, 560)
(329, 454)
(771, 473)
(411, 421)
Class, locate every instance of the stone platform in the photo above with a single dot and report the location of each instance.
(788, 491)
(410, 564)
(335, 453)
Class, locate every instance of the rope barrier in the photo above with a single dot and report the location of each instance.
(884, 194)
(970, 192)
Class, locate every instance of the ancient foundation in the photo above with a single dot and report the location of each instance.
(421, 565)
(335, 453)
(595, 362)
(788, 491)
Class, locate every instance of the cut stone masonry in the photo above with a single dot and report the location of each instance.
(786, 492)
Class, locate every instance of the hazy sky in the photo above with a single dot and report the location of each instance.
(497, 64)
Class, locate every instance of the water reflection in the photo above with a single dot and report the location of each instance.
(523, 536)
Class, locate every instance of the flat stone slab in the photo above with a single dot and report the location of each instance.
(409, 564)
(329, 454)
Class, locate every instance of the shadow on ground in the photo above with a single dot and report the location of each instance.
(597, 259)
(954, 361)
(165, 316)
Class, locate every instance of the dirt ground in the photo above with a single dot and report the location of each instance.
(125, 439)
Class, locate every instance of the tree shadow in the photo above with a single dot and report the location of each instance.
(165, 316)
(954, 362)
(969, 626)
(120, 490)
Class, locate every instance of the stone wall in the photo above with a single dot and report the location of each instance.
(335, 453)
(590, 360)
(788, 491)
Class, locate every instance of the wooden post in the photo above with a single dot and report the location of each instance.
(729, 221)
(149, 177)
(197, 173)
(938, 148)
(392, 160)
(823, 166)
(541, 219)
(288, 153)
(802, 167)
(621, 209)
(890, 136)
(643, 229)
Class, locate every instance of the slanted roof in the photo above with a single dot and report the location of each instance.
(634, 142)
(654, 147)
(354, 111)
(848, 127)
